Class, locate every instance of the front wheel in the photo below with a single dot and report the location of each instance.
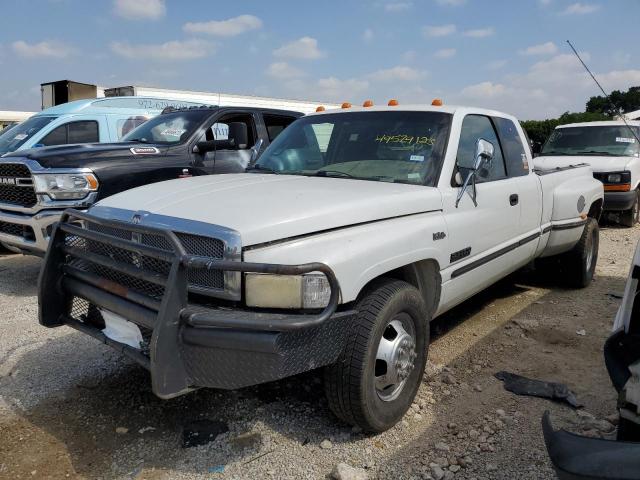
(629, 218)
(378, 374)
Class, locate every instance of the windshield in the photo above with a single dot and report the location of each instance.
(14, 137)
(402, 147)
(168, 128)
(610, 140)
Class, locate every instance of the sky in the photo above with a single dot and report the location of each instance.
(509, 55)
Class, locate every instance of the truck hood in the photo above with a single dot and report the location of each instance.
(265, 208)
(598, 163)
(89, 155)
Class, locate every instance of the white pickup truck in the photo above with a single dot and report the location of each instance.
(353, 230)
(612, 150)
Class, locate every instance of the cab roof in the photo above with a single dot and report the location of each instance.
(604, 123)
(116, 105)
(451, 109)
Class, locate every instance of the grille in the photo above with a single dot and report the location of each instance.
(193, 244)
(13, 194)
(23, 231)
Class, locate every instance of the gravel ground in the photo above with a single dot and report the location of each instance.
(73, 408)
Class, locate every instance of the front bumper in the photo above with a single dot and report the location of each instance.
(188, 345)
(619, 201)
(28, 232)
(577, 457)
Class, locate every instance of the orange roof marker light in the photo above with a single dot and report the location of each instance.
(346, 105)
(320, 109)
(393, 103)
(436, 102)
(368, 103)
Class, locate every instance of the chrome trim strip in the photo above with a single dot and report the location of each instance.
(230, 238)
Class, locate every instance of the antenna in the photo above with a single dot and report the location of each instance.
(622, 116)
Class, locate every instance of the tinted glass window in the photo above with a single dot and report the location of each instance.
(513, 149)
(14, 138)
(125, 125)
(475, 127)
(400, 147)
(276, 124)
(83, 132)
(168, 128)
(57, 136)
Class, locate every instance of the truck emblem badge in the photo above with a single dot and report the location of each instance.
(144, 150)
(136, 218)
(439, 236)
(7, 181)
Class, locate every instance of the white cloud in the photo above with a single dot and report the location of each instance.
(398, 73)
(367, 35)
(225, 28)
(547, 89)
(140, 9)
(334, 89)
(408, 56)
(480, 32)
(548, 48)
(305, 48)
(445, 53)
(496, 64)
(453, 3)
(168, 51)
(398, 6)
(580, 9)
(45, 49)
(282, 70)
(438, 30)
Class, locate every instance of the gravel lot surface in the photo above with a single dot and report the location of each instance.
(73, 408)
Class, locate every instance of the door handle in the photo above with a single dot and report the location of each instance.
(513, 199)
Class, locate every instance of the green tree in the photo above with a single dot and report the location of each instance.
(626, 101)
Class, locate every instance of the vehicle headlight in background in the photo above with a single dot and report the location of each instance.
(287, 291)
(614, 178)
(65, 186)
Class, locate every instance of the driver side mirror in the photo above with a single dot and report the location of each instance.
(483, 158)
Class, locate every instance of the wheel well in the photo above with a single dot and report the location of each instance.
(596, 209)
(424, 275)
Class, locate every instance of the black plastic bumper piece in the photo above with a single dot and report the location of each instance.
(619, 201)
(575, 457)
(189, 346)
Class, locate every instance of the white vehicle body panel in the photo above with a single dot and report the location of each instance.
(364, 229)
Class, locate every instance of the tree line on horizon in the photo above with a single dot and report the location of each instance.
(597, 108)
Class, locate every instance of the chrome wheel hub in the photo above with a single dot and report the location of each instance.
(395, 359)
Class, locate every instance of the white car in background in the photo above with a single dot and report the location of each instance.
(612, 150)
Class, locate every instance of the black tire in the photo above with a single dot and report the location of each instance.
(579, 264)
(350, 384)
(628, 431)
(629, 218)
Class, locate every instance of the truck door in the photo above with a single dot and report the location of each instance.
(480, 238)
(518, 159)
(237, 136)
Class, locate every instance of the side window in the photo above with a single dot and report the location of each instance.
(237, 128)
(125, 125)
(475, 127)
(514, 152)
(73, 132)
(57, 136)
(276, 124)
(83, 132)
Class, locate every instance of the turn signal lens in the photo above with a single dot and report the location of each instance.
(436, 102)
(346, 105)
(368, 103)
(320, 109)
(393, 102)
(623, 187)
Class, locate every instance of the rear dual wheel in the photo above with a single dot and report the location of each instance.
(377, 376)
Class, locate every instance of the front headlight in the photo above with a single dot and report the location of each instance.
(287, 291)
(614, 178)
(65, 186)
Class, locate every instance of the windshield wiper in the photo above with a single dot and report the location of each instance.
(595, 152)
(260, 168)
(332, 173)
(554, 152)
(138, 140)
